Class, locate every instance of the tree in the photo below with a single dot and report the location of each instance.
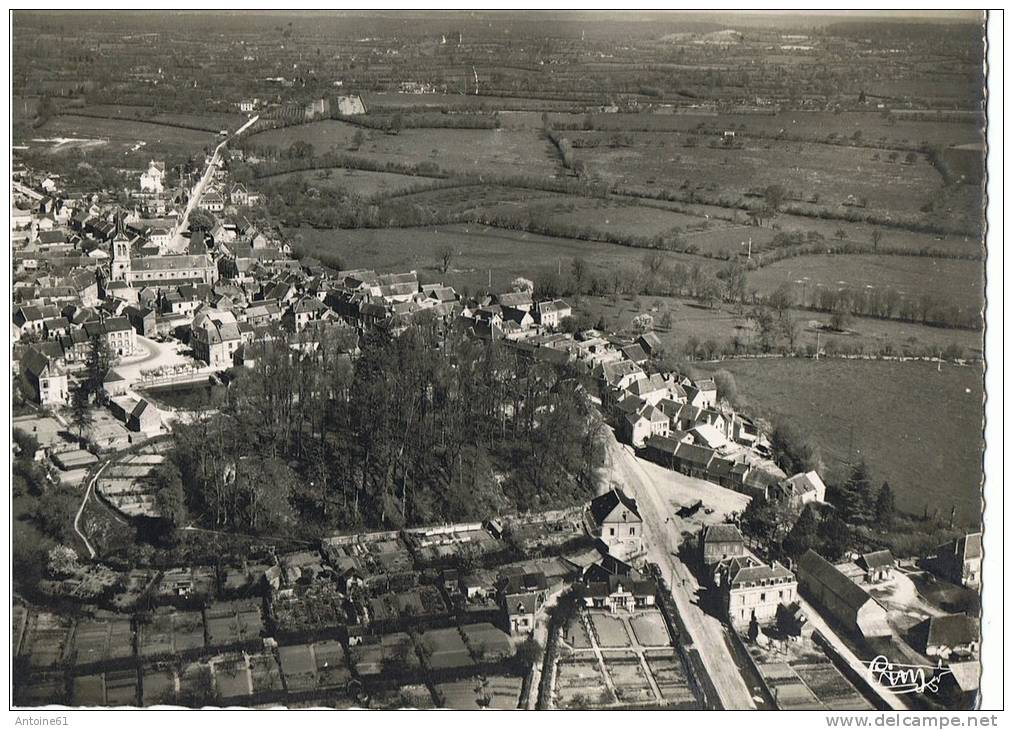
(446, 255)
(521, 284)
(578, 269)
(728, 391)
(781, 300)
(835, 538)
(80, 411)
(793, 451)
(774, 196)
(877, 236)
(358, 139)
(804, 535)
(885, 506)
(790, 330)
(96, 365)
(169, 496)
(201, 220)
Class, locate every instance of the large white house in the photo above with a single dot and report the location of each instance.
(153, 179)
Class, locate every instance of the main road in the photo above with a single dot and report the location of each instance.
(179, 243)
(706, 632)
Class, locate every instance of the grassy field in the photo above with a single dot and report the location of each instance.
(362, 182)
(723, 322)
(506, 152)
(957, 281)
(122, 134)
(655, 162)
(478, 249)
(917, 428)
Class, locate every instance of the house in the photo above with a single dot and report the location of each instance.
(523, 595)
(616, 521)
(120, 336)
(301, 312)
(661, 449)
(943, 637)
(550, 314)
(878, 566)
(238, 195)
(153, 179)
(215, 337)
(617, 585)
(619, 374)
(114, 384)
(708, 436)
(702, 394)
(754, 590)
(48, 381)
(840, 598)
(515, 299)
(804, 488)
(142, 319)
(644, 422)
(653, 389)
(650, 343)
(144, 417)
(635, 353)
(212, 202)
(959, 561)
(719, 543)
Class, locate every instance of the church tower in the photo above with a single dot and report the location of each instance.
(121, 256)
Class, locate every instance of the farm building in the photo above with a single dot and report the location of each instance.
(959, 561)
(804, 488)
(878, 566)
(945, 636)
(841, 598)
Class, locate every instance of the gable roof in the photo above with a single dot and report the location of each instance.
(875, 560)
(604, 505)
(724, 532)
(813, 565)
(953, 630)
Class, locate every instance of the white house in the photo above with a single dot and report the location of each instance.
(153, 179)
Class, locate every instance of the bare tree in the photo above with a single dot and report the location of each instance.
(446, 255)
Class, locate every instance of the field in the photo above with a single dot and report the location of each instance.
(365, 183)
(957, 281)
(610, 630)
(98, 640)
(918, 429)
(833, 173)
(478, 250)
(124, 133)
(505, 152)
(723, 322)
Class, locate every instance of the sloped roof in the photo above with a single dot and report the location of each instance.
(722, 533)
(954, 630)
(816, 568)
(603, 505)
(876, 560)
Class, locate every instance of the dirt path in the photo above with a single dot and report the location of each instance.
(77, 517)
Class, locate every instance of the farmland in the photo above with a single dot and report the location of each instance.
(125, 133)
(361, 182)
(477, 251)
(958, 281)
(468, 151)
(917, 428)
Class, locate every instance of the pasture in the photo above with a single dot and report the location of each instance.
(916, 428)
(472, 151)
(365, 183)
(478, 250)
(125, 133)
(652, 163)
(958, 281)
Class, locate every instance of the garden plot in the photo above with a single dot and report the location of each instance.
(233, 677)
(575, 634)
(539, 531)
(490, 643)
(494, 692)
(610, 630)
(441, 545)
(316, 607)
(628, 676)
(464, 694)
(111, 689)
(579, 681)
(46, 639)
(42, 690)
(127, 486)
(102, 639)
(671, 677)
(168, 633)
(394, 650)
(649, 628)
(158, 686)
(265, 673)
(314, 666)
(790, 692)
(830, 686)
(445, 649)
(233, 622)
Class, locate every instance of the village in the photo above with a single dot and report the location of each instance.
(648, 595)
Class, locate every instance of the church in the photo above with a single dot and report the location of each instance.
(159, 271)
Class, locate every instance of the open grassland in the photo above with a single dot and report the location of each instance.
(917, 428)
(123, 134)
(873, 128)
(957, 281)
(211, 121)
(651, 163)
(472, 151)
(365, 183)
(477, 251)
(691, 320)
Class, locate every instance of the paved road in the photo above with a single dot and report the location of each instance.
(706, 632)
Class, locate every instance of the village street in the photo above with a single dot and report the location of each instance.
(706, 632)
